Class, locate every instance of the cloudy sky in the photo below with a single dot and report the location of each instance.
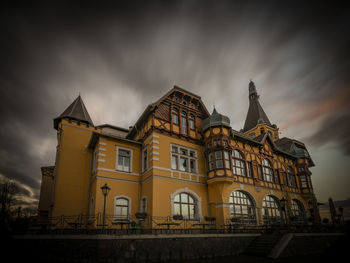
(121, 57)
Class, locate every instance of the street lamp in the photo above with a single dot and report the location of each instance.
(283, 203)
(105, 190)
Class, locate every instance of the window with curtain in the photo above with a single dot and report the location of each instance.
(124, 160)
(191, 122)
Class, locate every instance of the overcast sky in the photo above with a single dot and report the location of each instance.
(122, 57)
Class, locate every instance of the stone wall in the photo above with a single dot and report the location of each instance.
(99, 248)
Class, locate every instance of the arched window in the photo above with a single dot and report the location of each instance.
(271, 211)
(191, 122)
(267, 171)
(121, 208)
(291, 177)
(175, 116)
(184, 123)
(185, 205)
(298, 211)
(238, 163)
(242, 207)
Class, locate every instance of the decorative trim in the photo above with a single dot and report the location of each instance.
(102, 143)
(114, 179)
(102, 149)
(101, 160)
(116, 171)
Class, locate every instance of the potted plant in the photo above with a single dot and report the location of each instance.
(178, 217)
(141, 215)
(210, 218)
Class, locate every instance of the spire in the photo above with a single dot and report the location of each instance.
(256, 114)
(76, 111)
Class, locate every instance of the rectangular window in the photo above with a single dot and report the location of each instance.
(303, 181)
(211, 162)
(145, 160)
(260, 172)
(227, 160)
(174, 164)
(192, 124)
(183, 159)
(183, 164)
(124, 160)
(94, 167)
(277, 178)
(218, 159)
(250, 169)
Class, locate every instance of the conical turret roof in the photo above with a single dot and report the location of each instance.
(76, 111)
(216, 119)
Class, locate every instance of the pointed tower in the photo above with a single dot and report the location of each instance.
(73, 161)
(76, 111)
(257, 122)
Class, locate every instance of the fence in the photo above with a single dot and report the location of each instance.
(96, 224)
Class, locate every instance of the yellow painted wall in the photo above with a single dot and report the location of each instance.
(72, 170)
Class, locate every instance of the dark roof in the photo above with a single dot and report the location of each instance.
(106, 125)
(151, 107)
(256, 114)
(215, 119)
(76, 111)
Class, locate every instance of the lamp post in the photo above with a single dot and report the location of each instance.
(105, 190)
(283, 202)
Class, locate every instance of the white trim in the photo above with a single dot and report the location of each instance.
(116, 171)
(102, 143)
(192, 193)
(154, 147)
(131, 157)
(155, 153)
(101, 160)
(102, 149)
(114, 179)
(101, 154)
(154, 136)
(175, 179)
(154, 142)
(129, 208)
(154, 158)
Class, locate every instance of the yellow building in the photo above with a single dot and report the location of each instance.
(178, 160)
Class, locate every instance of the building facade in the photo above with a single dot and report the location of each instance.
(178, 160)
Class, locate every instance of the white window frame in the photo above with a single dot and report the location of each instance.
(115, 216)
(117, 156)
(198, 200)
(188, 157)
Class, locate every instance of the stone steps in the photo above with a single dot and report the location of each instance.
(263, 245)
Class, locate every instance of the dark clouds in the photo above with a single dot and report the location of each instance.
(131, 53)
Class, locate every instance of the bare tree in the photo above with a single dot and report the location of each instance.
(8, 190)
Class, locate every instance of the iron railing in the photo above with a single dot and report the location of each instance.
(82, 224)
